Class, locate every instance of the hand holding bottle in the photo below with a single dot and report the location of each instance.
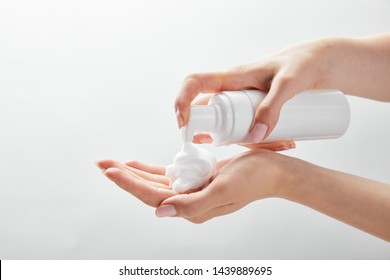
(281, 75)
(355, 66)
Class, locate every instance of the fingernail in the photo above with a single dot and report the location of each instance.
(258, 132)
(206, 140)
(291, 145)
(97, 164)
(179, 117)
(167, 210)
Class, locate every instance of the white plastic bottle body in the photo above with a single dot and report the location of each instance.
(309, 115)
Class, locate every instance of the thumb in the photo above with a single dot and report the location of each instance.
(190, 205)
(267, 114)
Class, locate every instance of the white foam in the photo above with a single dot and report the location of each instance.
(192, 168)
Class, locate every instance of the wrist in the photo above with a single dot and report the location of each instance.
(295, 178)
(335, 55)
(273, 173)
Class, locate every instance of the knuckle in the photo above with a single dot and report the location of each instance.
(286, 79)
(179, 102)
(194, 80)
(182, 101)
(192, 83)
(266, 110)
(193, 76)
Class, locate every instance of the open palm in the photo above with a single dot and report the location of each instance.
(234, 185)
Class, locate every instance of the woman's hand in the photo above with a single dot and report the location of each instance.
(358, 67)
(281, 75)
(238, 181)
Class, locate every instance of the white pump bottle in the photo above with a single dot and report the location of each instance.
(311, 114)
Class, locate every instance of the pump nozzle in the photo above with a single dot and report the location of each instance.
(203, 118)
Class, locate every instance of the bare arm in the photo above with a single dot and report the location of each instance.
(357, 201)
(359, 67)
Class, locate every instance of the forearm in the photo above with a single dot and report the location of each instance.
(360, 202)
(359, 67)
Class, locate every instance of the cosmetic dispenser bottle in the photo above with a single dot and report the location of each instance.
(309, 115)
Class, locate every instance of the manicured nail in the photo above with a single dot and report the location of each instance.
(258, 132)
(167, 210)
(206, 140)
(179, 117)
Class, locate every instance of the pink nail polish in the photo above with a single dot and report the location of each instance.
(167, 210)
(179, 117)
(258, 132)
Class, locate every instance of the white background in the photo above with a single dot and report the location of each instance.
(82, 80)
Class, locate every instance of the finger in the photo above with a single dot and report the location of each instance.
(273, 146)
(215, 212)
(202, 138)
(104, 164)
(156, 180)
(267, 114)
(145, 192)
(213, 82)
(154, 169)
(162, 179)
(195, 204)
